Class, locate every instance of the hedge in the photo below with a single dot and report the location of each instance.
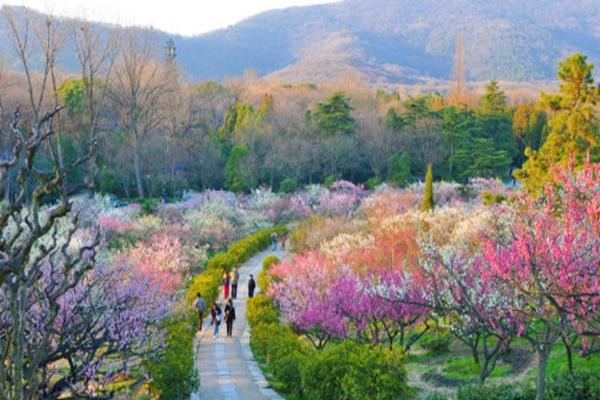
(264, 278)
(260, 309)
(173, 371)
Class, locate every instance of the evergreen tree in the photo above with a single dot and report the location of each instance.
(428, 203)
(333, 116)
(236, 172)
(573, 126)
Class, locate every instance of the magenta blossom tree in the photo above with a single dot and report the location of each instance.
(305, 291)
(551, 262)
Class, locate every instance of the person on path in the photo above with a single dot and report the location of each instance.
(274, 239)
(216, 314)
(201, 307)
(235, 277)
(251, 286)
(226, 282)
(283, 239)
(229, 317)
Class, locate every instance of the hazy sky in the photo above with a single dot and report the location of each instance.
(185, 17)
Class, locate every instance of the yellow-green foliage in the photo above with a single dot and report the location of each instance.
(264, 278)
(172, 370)
(221, 262)
(352, 370)
(207, 284)
(261, 310)
(428, 203)
(269, 261)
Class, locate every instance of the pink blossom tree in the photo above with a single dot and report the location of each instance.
(551, 262)
(305, 289)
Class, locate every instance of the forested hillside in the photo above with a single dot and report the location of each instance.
(401, 41)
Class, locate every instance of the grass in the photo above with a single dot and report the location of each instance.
(465, 368)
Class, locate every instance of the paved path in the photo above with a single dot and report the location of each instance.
(226, 366)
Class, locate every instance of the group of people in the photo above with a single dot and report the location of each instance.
(218, 315)
(277, 238)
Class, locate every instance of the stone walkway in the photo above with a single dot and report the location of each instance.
(226, 366)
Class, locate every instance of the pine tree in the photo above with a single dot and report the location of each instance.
(428, 203)
(573, 126)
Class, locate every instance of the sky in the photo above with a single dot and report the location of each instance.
(184, 17)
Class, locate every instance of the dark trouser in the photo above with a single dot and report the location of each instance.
(251, 293)
(200, 322)
(230, 327)
(234, 290)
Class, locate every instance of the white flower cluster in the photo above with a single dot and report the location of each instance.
(345, 243)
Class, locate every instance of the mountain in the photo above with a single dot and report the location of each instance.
(400, 41)
(391, 41)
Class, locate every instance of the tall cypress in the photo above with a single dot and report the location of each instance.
(428, 203)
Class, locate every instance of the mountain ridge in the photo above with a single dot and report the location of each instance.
(391, 42)
(502, 39)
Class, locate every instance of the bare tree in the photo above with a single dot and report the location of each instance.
(426, 143)
(139, 81)
(36, 266)
(33, 34)
(92, 47)
(376, 143)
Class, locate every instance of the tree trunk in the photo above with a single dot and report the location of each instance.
(136, 162)
(543, 357)
(17, 337)
(569, 349)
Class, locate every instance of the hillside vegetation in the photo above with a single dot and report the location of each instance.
(401, 41)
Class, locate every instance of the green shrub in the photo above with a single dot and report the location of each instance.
(221, 262)
(286, 369)
(579, 385)
(269, 261)
(260, 309)
(173, 370)
(287, 186)
(438, 344)
(207, 284)
(502, 392)
(373, 182)
(147, 206)
(436, 396)
(330, 179)
(264, 279)
(354, 371)
(272, 341)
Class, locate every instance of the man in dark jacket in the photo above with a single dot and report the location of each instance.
(251, 286)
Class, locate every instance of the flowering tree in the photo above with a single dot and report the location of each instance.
(107, 324)
(551, 262)
(37, 267)
(306, 291)
(452, 281)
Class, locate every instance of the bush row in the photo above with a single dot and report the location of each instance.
(348, 370)
(264, 279)
(579, 385)
(173, 371)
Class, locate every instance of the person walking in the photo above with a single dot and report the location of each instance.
(216, 315)
(283, 239)
(201, 307)
(235, 277)
(251, 286)
(229, 317)
(274, 239)
(226, 282)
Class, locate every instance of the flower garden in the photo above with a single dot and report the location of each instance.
(378, 299)
(488, 295)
